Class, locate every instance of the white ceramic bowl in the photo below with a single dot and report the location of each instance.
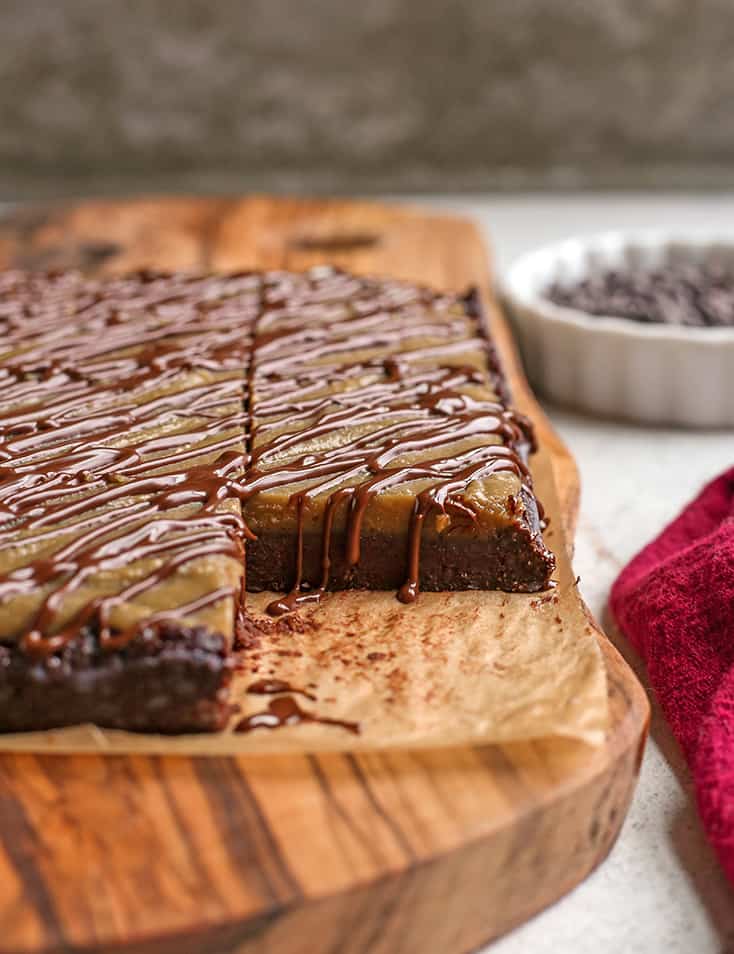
(613, 366)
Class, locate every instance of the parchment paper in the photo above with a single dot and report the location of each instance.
(451, 669)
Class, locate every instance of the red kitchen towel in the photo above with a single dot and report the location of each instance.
(675, 602)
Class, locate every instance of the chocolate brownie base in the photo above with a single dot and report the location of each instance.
(169, 680)
(510, 558)
(502, 560)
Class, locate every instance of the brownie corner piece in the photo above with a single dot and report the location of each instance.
(386, 451)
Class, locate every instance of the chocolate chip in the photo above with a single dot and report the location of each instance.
(699, 295)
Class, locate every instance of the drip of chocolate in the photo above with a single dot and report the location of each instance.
(285, 711)
(274, 687)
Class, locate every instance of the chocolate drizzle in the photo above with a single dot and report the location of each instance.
(273, 687)
(285, 711)
(125, 407)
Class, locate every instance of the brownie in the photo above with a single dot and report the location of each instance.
(121, 449)
(384, 453)
(161, 434)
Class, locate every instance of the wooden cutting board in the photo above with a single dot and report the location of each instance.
(387, 853)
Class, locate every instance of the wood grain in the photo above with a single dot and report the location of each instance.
(386, 853)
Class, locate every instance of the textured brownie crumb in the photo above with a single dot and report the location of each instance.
(168, 679)
(249, 630)
(247, 634)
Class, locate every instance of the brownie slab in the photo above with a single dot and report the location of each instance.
(383, 451)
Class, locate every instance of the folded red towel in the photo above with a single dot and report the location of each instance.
(675, 602)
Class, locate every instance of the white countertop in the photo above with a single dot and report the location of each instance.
(661, 888)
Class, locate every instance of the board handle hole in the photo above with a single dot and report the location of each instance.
(335, 242)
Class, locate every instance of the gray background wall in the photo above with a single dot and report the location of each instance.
(340, 95)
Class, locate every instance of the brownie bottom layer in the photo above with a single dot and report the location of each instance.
(510, 559)
(171, 680)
